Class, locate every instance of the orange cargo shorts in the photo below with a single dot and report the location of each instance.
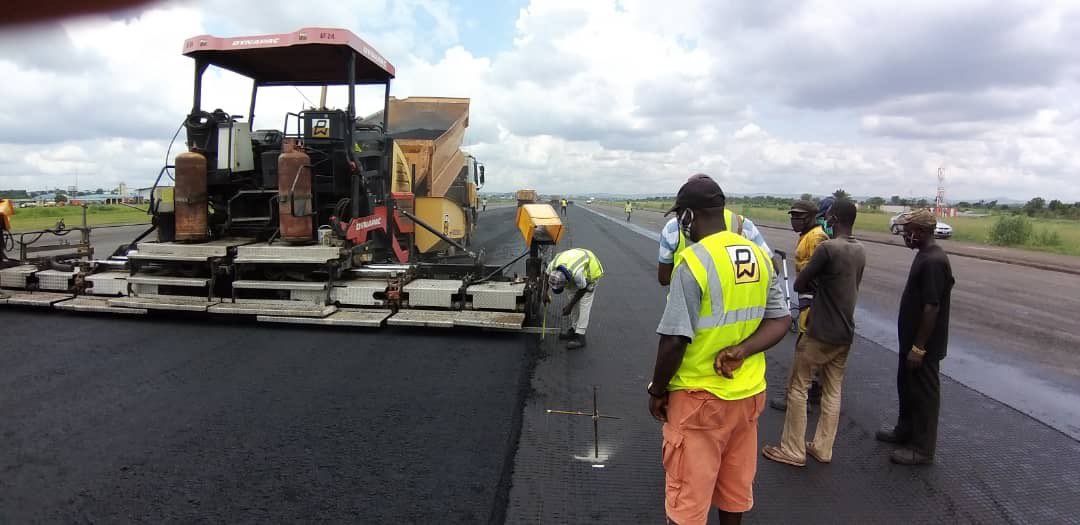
(710, 454)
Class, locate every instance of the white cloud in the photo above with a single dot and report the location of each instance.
(623, 97)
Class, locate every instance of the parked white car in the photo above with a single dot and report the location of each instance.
(590, 201)
(942, 231)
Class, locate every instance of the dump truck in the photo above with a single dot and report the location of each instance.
(333, 219)
(526, 197)
(445, 179)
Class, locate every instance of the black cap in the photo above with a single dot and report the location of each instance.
(804, 206)
(699, 192)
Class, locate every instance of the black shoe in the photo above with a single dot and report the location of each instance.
(889, 435)
(567, 335)
(577, 342)
(779, 402)
(814, 395)
(907, 456)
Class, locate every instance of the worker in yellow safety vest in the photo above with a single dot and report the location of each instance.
(629, 208)
(562, 204)
(673, 242)
(577, 269)
(725, 307)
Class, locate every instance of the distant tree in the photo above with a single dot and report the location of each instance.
(841, 195)
(1055, 206)
(894, 200)
(991, 205)
(60, 197)
(922, 203)
(1034, 206)
(806, 197)
(99, 191)
(963, 204)
(875, 202)
(1003, 207)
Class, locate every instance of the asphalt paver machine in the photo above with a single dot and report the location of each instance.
(316, 222)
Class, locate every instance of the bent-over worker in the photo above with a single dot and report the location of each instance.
(579, 270)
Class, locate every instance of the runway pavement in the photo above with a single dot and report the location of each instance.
(1012, 335)
(994, 464)
(184, 419)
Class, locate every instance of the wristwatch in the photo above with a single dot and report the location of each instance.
(917, 351)
(650, 391)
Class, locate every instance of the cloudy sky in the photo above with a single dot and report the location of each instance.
(605, 96)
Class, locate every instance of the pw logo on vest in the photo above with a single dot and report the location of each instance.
(743, 259)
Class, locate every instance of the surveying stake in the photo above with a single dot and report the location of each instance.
(596, 417)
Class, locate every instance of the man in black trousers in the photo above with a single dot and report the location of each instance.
(923, 330)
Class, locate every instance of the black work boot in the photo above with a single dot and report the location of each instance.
(910, 456)
(890, 435)
(576, 342)
(779, 402)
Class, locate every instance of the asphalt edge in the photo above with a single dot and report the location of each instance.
(534, 351)
(1002, 260)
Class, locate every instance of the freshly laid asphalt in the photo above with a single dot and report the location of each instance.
(183, 419)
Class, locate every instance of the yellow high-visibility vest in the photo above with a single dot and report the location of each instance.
(575, 259)
(733, 225)
(741, 270)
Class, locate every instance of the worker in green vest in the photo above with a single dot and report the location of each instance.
(629, 208)
(725, 307)
(577, 269)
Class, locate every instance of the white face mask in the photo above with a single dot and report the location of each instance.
(686, 219)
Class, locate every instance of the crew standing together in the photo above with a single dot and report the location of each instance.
(725, 307)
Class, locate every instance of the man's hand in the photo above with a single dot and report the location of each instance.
(658, 407)
(914, 360)
(728, 361)
(547, 298)
(568, 309)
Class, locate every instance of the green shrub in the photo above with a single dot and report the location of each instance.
(1011, 230)
(1048, 237)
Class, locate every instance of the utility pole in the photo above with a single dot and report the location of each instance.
(939, 201)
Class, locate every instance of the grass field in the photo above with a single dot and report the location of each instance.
(971, 229)
(30, 219)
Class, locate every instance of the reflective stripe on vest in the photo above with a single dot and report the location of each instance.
(575, 259)
(729, 220)
(741, 271)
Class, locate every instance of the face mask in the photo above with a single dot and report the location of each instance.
(686, 219)
(825, 226)
(912, 239)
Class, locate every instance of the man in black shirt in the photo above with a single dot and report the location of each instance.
(923, 330)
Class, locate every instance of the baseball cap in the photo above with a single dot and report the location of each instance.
(699, 192)
(920, 217)
(803, 206)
